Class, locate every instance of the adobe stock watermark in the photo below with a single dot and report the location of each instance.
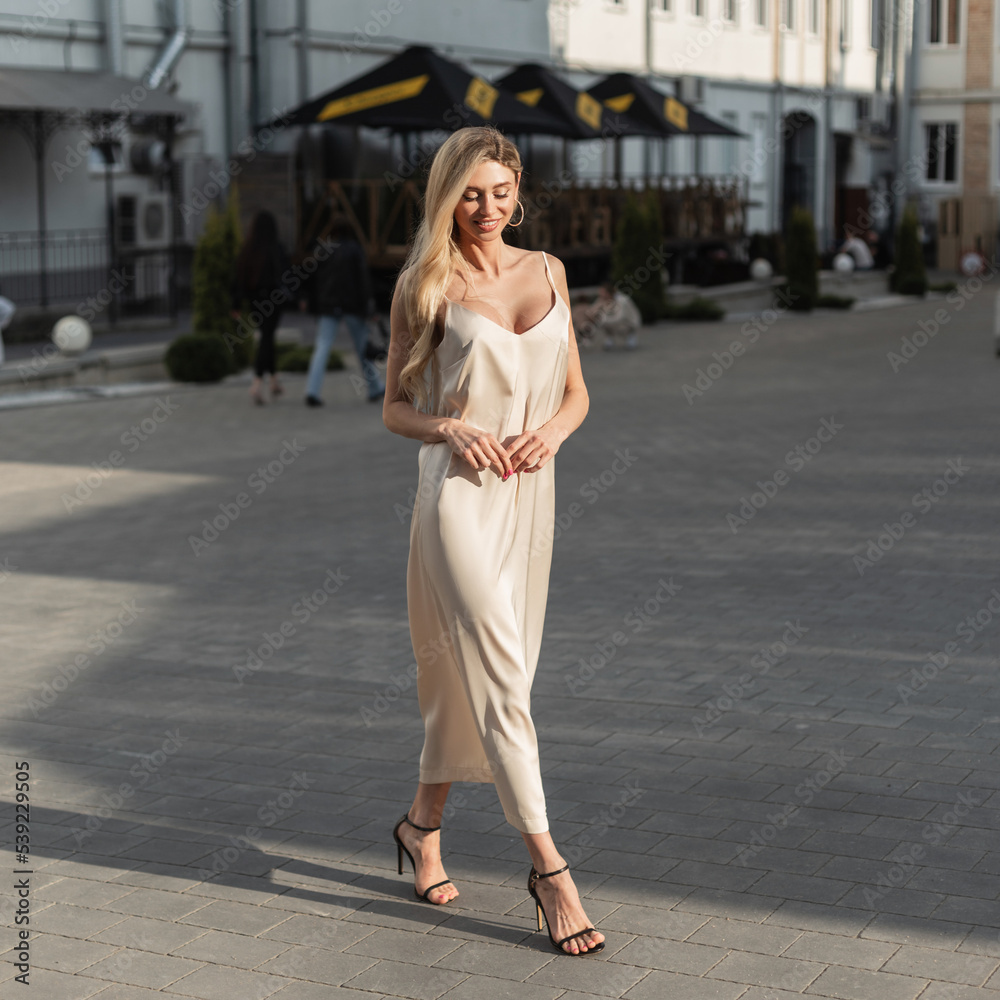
(428, 654)
(267, 815)
(7, 569)
(804, 792)
(131, 440)
(911, 344)
(606, 820)
(796, 460)
(968, 629)
(101, 640)
(591, 491)
(637, 620)
(922, 502)
(300, 613)
(258, 481)
(734, 691)
(142, 770)
(905, 865)
(705, 378)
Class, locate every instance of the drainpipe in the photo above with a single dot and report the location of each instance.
(171, 52)
(114, 43)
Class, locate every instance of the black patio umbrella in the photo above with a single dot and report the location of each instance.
(583, 114)
(651, 113)
(421, 91)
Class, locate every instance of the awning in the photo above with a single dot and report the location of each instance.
(651, 113)
(81, 94)
(421, 91)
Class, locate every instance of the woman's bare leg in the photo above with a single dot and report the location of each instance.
(426, 810)
(559, 897)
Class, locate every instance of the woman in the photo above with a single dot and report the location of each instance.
(261, 269)
(483, 369)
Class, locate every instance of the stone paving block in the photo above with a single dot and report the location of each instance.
(982, 941)
(671, 956)
(767, 970)
(63, 954)
(658, 985)
(72, 921)
(593, 974)
(649, 922)
(44, 984)
(404, 980)
(952, 991)
(140, 968)
(857, 984)
(742, 935)
(483, 987)
(79, 892)
(478, 958)
(225, 915)
(148, 934)
(932, 963)
(834, 949)
(317, 964)
(221, 983)
(238, 950)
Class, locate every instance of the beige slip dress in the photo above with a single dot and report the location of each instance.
(480, 553)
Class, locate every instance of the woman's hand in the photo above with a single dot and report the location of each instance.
(531, 450)
(478, 447)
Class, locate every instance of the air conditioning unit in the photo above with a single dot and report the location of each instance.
(691, 89)
(143, 221)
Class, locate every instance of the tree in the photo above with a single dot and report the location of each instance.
(910, 275)
(638, 242)
(801, 260)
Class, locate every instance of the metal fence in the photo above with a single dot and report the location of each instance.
(74, 268)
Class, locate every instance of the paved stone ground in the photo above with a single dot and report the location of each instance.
(766, 784)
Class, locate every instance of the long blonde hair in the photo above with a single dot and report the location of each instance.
(436, 255)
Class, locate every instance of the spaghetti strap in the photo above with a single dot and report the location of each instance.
(548, 273)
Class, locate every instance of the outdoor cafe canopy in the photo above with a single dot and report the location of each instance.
(421, 91)
(648, 112)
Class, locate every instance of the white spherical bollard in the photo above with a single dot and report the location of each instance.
(972, 264)
(843, 264)
(72, 335)
(760, 269)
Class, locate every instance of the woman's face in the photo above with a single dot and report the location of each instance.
(487, 203)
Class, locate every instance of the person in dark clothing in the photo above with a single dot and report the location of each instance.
(261, 268)
(342, 293)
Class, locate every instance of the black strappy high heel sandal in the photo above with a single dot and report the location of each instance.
(401, 847)
(533, 877)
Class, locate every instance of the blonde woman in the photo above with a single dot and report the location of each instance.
(483, 369)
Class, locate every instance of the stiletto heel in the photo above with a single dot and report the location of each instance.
(401, 847)
(533, 877)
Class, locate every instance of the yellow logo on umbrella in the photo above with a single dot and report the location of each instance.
(620, 104)
(481, 96)
(675, 113)
(588, 109)
(531, 97)
(389, 93)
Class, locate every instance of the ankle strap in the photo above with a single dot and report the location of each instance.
(426, 829)
(565, 868)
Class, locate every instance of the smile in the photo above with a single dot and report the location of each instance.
(488, 226)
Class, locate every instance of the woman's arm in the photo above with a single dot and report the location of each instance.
(479, 448)
(532, 450)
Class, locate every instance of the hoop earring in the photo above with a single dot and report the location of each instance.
(514, 225)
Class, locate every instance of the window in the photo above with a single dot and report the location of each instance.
(729, 10)
(813, 16)
(941, 151)
(758, 130)
(943, 17)
(698, 8)
(666, 6)
(761, 13)
(729, 149)
(788, 14)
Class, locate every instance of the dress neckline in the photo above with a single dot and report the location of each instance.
(513, 333)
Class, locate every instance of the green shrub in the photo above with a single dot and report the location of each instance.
(639, 233)
(211, 280)
(198, 357)
(942, 286)
(695, 309)
(295, 358)
(835, 302)
(909, 276)
(802, 270)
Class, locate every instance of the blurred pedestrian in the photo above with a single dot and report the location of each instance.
(342, 293)
(261, 271)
